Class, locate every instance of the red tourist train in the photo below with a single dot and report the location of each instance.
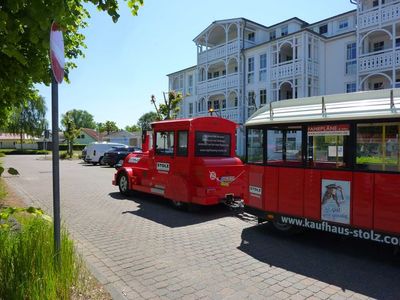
(329, 163)
(189, 161)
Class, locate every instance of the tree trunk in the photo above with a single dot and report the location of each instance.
(20, 137)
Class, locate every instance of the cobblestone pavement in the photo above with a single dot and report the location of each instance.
(142, 248)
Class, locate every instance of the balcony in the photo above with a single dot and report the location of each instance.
(382, 60)
(288, 69)
(216, 84)
(377, 16)
(218, 52)
(226, 113)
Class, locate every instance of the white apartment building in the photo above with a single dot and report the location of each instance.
(242, 65)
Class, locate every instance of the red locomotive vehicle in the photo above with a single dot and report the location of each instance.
(189, 161)
(328, 163)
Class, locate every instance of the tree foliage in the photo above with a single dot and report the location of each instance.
(132, 128)
(82, 119)
(145, 120)
(108, 126)
(71, 132)
(28, 117)
(24, 41)
(170, 108)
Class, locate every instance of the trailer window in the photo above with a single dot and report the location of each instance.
(255, 141)
(165, 142)
(328, 145)
(378, 147)
(182, 143)
(212, 144)
(284, 146)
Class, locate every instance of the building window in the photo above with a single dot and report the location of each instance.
(272, 35)
(209, 75)
(263, 97)
(343, 24)
(190, 84)
(378, 46)
(351, 87)
(250, 70)
(263, 67)
(351, 63)
(216, 74)
(190, 108)
(284, 30)
(375, 3)
(251, 36)
(397, 43)
(251, 100)
(323, 29)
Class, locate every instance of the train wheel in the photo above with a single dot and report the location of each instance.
(178, 204)
(123, 185)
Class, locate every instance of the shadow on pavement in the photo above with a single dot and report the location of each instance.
(160, 210)
(364, 267)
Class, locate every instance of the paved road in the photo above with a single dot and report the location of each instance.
(141, 248)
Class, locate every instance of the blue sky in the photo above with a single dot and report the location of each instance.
(128, 61)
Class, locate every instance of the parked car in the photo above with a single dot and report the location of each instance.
(116, 155)
(95, 151)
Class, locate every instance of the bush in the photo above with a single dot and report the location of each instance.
(77, 147)
(27, 267)
(18, 151)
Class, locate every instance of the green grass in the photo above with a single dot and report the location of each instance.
(27, 265)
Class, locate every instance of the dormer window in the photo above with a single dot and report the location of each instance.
(284, 30)
(343, 24)
(323, 29)
(251, 36)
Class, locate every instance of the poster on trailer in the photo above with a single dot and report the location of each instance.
(335, 201)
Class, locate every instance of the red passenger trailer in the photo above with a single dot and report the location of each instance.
(189, 161)
(328, 163)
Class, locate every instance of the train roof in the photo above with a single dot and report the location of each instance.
(191, 121)
(382, 104)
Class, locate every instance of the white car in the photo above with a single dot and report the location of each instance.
(95, 151)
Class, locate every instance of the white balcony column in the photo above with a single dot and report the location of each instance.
(394, 55)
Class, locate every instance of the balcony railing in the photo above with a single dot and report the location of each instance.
(286, 70)
(376, 15)
(226, 113)
(219, 83)
(218, 52)
(379, 61)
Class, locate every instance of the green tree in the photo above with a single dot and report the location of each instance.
(108, 126)
(70, 132)
(82, 119)
(24, 41)
(170, 108)
(132, 128)
(145, 120)
(29, 117)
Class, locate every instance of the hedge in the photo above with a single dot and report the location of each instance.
(64, 147)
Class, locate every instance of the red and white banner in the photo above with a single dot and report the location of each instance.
(57, 52)
(323, 130)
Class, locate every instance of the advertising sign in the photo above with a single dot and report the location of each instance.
(335, 201)
(212, 144)
(323, 130)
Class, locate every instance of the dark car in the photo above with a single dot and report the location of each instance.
(116, 155)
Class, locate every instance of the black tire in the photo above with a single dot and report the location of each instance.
(123, 185)
(101, 161)
(178, 204)
(94, 163)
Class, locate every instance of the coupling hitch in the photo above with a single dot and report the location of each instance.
(234, 203)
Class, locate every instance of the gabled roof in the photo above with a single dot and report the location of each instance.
(225, 21)
(92, 133)
(121, 133)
